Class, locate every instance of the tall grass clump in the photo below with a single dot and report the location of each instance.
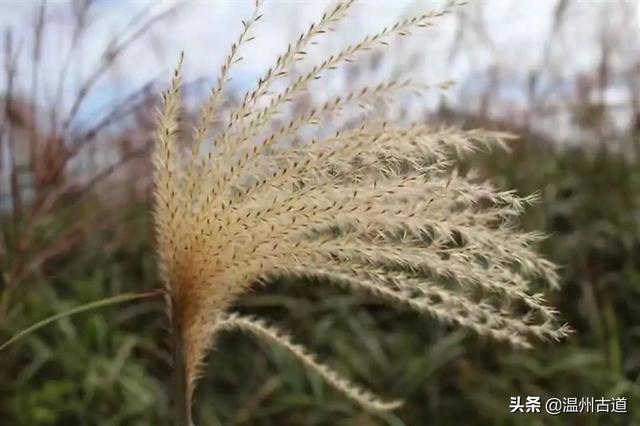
(367, 203)
(68, 141)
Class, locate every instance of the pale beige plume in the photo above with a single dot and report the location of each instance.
(372, 206)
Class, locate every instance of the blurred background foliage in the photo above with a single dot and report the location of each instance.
(66, 242)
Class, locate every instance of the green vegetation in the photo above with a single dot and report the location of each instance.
(590, 205)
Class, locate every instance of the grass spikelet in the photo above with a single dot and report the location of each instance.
(260, 329)
(375, 207)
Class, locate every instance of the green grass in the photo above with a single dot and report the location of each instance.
(110, 367)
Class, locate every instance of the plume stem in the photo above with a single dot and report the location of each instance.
(182, 399)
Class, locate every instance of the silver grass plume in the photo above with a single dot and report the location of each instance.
(372, 206)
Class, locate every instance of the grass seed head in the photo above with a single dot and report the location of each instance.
(373, 206)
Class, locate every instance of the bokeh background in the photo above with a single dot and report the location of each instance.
(79, 81)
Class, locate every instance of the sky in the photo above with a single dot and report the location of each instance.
(510, 32)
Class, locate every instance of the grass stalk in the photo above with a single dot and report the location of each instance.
(182, 404)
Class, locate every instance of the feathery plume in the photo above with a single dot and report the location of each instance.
(374, 207)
